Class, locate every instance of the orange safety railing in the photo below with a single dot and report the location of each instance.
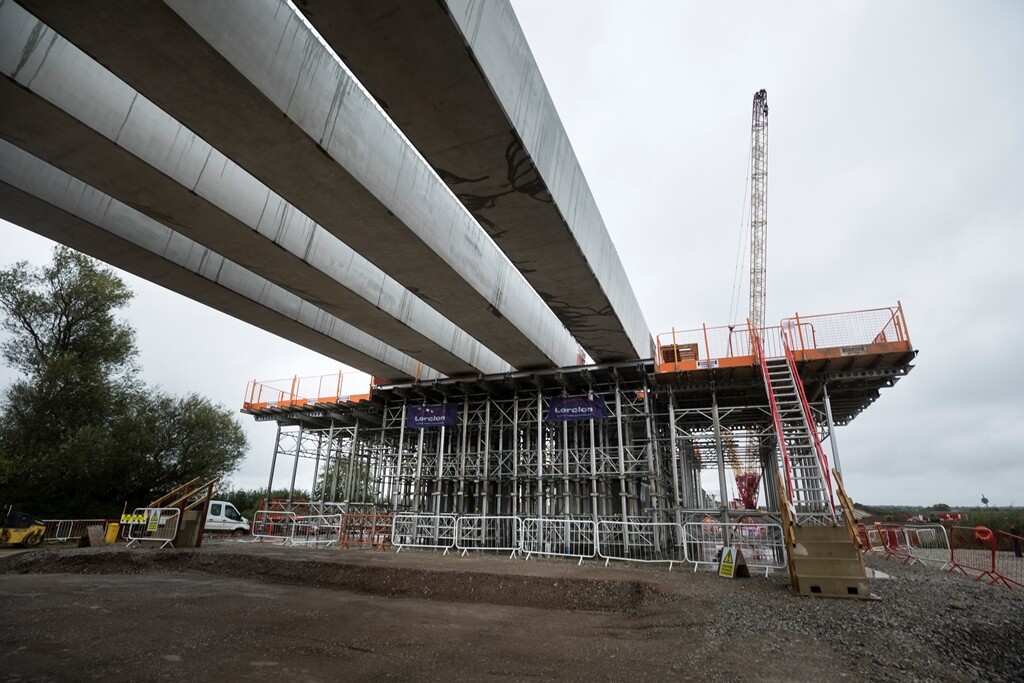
(850, 329)
(687, 349)
(731, 345)
(300, 391)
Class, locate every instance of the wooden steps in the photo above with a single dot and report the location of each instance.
(824, 561)
(828, 564)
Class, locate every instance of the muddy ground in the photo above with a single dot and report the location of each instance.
(262, 612)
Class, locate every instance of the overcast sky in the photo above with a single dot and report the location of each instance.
(896, 172)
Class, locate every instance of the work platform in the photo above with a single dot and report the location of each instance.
(642, 434)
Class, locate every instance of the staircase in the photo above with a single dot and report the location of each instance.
(804, 462)
(807, 484)
(826, 563)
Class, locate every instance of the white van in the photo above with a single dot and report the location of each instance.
(224, 518)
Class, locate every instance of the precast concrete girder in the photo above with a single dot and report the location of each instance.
(172, 175)
(228, 70)
(45, 200)
(459, 79)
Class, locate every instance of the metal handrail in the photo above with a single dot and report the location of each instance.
(811, 424)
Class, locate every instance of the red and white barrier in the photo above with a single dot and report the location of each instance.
(973, 552)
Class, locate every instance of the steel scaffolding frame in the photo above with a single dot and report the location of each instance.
(643, 461)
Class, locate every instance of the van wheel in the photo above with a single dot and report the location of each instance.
(238, 532)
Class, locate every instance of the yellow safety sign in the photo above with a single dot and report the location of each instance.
(733, 564)
(727, 567)
(133, 519)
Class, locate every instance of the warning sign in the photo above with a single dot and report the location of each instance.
(732, 563)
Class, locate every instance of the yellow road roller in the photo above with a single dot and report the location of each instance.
(20, 528)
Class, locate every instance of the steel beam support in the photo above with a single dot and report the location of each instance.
(332, 462)
(273, 465)
(676, 456)
(720, 450)
(295, 468)
(831, 429)
(350, 477)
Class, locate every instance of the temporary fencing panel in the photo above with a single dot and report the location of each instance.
(641, 542)
(869, 540)
(315, 530)
(895, 542)
(559, 536)
(1009, 559)
(479, 532)
(929, 544)
(423, 531)
(973, 552)
(373, 530)
(58, 530)
(762, 545)
(272, 525)
(158, 525)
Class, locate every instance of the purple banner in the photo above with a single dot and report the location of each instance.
(573, 408)
(438, 415)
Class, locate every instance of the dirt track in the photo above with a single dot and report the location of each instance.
(267, 613)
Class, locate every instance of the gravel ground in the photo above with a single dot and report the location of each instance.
(425, 616)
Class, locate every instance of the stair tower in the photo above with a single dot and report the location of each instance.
(808, 485)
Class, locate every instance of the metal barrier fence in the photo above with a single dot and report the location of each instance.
(59, 530)
(869, 540)
(272, 525)
(479, 532)
(561, 537)
(640, 542)
(762, 545)
(973, 552)
(372, 530)
(929, 544)
(423, 531)
(1009, 559)
(895, 543)
(158, 525)
(315, 530)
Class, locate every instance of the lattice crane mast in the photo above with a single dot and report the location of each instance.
(758, 206)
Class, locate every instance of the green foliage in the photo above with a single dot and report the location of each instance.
(939, 507)
(247, 500)
(80, 435)
(996, 520)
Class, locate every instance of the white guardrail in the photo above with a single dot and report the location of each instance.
(272, 525)
(59, 530)
(699, 543)
(762, 545)
(492, 532)
(155, 525)
(423, 531)
(929, 544)
(559, 537)
(315, 530)
(641, 542)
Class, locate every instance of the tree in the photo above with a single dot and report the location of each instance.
(80, 434)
